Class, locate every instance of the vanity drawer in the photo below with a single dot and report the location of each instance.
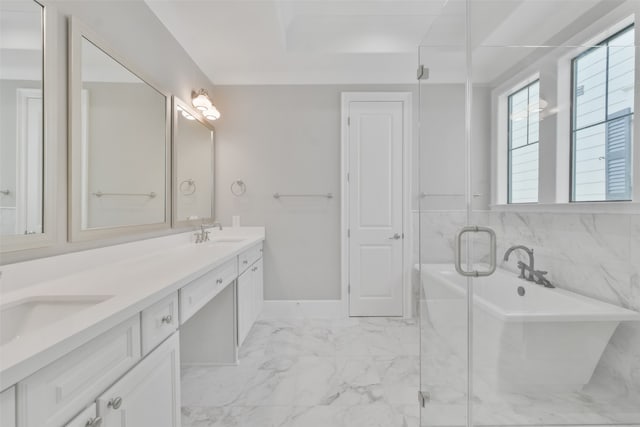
(248, 257)
(158, 322)
(8, 408)
(57, 392)
(196, 294)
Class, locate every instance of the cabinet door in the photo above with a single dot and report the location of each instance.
(8, 408)
(245, 303)
(258, 286)
(149, 394)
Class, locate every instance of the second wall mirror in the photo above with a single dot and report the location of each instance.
(193, 166)
(119, 154)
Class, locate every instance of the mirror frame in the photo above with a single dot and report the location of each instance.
(49, 235)
(174, 164)
(78, 31)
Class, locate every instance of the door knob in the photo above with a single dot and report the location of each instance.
(395, 237)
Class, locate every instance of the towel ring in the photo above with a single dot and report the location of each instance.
(191, 184)
(238, 188)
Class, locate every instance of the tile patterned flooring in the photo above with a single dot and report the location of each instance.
(358, 372)
(364, 372)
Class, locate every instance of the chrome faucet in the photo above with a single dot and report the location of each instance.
(521, 265)
(536, 276)
(203, 235)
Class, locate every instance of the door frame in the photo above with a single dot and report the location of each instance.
(407, 143)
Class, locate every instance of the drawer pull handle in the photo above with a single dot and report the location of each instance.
(94, 422)
(115, 403)
(245, 262)
(167, 319)
(219, 281)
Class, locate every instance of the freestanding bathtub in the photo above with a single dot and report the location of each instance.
(544, 340)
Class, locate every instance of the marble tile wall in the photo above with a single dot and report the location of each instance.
(597, 255)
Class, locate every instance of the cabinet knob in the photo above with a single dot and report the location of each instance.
(167, 319)
(94, 422)
(219, 281)
(115, 403)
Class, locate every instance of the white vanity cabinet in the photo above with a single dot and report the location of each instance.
(149, 394)
(56, 393)
(250, 291)
(8, 408)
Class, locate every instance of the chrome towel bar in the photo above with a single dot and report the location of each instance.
(101, 194)
(327, 195)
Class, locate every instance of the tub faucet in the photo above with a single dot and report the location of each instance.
(522, 265)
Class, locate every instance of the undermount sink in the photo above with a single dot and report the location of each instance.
(227, 239)
(31, 314)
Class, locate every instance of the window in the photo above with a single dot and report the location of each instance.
(602, 118)
(524, 114)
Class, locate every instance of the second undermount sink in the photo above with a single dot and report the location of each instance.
(31, 314)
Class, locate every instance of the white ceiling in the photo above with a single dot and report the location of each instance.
(358, 41)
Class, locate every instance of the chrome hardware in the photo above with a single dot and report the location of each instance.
(115, 403)
(492, 251)
(521, 265)
(395, 237)
(425, 195)
(94, 422)
(245, 262)
(5, 192)
(422, 73)
(167, 319)
(99, 193)
(238, 188)
(215, 224)
(219, 281)
(327, 195)
(254, 269)
(423, 397)
(188, 189)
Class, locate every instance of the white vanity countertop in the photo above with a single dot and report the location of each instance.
(134, 283)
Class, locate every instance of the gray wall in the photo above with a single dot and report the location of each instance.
(287, 139)
(131, 29)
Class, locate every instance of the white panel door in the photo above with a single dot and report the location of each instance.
(375, 208)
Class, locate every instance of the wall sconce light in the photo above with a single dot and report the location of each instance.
(202, 102)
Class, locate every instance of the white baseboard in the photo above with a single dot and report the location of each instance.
(303, 309)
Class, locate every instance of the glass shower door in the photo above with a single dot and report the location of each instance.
(528, 130)
(442, 209)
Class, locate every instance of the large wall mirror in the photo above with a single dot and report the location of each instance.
(119, 158)
(193, 161)
(25, 194)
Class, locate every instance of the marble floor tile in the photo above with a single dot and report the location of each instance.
(366, 372)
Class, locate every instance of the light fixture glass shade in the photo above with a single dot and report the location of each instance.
(212, 113)
(202, 101)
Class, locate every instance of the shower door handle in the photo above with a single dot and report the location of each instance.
(492, 251)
